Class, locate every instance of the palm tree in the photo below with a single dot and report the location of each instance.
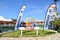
(56, 8)
(55, 1)
(14, 19)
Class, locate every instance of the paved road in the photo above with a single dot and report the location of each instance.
(52, 37)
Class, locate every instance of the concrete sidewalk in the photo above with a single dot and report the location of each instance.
(51, 37)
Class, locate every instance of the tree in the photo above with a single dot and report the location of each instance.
(56, 24)
(55, 1)
(56, 9)
(14, 19)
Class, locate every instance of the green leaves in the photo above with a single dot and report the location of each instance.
(56, 22)
(55, 0)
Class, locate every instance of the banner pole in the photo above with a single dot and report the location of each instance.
(21, 32)
(37, 32)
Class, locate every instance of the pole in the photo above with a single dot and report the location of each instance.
(21, 32)
(37, 32)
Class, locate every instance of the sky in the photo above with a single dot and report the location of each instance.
(34, 8)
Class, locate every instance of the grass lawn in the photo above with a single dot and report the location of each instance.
(26, 33)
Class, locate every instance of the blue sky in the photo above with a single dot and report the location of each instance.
(35, 8)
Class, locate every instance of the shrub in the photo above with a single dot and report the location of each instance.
(58, 30)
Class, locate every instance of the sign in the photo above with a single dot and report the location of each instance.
(50, 15)
(19, 18)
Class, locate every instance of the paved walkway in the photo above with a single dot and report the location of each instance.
(52, 37)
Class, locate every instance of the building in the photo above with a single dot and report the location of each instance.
(6, 24)
(9, 24)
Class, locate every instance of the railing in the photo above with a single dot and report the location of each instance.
(23, 28)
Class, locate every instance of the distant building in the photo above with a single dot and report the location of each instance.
(10, 22)
(6, 22)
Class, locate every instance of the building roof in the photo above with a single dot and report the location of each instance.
(3, 19)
